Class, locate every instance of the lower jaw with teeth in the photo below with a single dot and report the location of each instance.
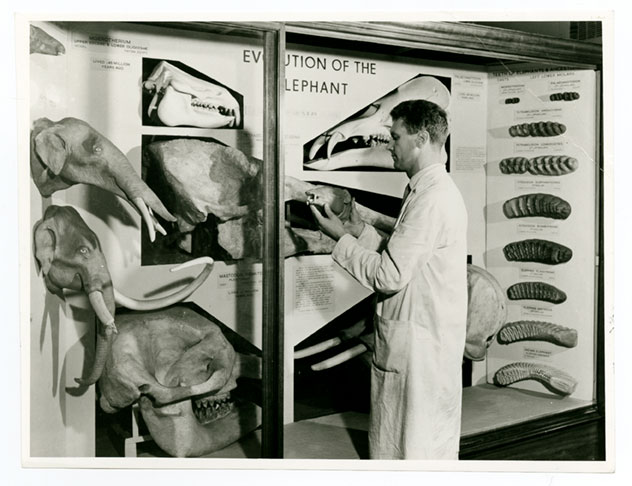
(191, 428)
(210, 409)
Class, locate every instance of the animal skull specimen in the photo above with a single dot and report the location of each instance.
(363, 140)
(206, 178)
(190, 101)
(182, 370)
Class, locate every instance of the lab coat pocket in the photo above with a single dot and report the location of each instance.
(392, 342)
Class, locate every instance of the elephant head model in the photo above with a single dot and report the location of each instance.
(70, 257)
(182, 370)
(70, 151)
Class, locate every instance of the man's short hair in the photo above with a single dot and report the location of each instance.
(423, 115)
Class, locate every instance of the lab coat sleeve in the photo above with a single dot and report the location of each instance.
(410, 246)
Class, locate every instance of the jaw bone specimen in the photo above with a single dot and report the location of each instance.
(189, 101)
(182, 370)
(363, 139)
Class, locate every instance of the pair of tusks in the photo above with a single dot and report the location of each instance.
(104, 315)
(148, 217)
(349, 333)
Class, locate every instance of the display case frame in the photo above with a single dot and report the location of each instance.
(444, 42)
(577, 434)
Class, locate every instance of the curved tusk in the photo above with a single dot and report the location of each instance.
(318, 143)
(142, 207)
(101, 310)
(178, 296)
(152, 105)
(157, 225)
(333, 141)
(340, 358)
(317, 348)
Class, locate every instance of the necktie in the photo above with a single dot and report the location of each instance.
(406, 193)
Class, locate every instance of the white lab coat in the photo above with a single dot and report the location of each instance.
(421, 282)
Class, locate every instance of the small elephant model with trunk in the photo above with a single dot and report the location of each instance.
(70, 151)
(69, 255)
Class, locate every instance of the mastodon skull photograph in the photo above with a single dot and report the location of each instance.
(360, 141)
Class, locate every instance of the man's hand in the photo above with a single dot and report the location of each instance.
(329, 223)
(355, 225)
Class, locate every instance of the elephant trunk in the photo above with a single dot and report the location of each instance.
(104, 308)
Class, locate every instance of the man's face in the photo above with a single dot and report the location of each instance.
(403, 146)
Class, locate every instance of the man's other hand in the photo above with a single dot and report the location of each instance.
(329, 223)
(355, 225)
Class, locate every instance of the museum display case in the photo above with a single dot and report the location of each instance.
(216, 135)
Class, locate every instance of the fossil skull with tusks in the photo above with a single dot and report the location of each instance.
(190, 101)
(182, 370)
(363, 140)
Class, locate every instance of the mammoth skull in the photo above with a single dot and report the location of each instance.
(182, 370)
(69, 255)
(363, 139)
(182, 99)
(70, 151)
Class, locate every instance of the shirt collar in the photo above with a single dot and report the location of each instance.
(426, 177)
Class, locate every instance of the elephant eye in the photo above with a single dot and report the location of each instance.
(84, 250)
(97, 149)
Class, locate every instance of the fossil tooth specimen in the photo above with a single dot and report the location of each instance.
(514, 165)
(553, 379)
(537, 331)
(536, 291)
(565, 96)
(537, 204)
(550, 165)
(538, 251)
(339, 200)
(537, 129)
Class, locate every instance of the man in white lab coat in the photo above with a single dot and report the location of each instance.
(419, 275)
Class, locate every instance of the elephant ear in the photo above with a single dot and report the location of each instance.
(51, 149)
(45, 241)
